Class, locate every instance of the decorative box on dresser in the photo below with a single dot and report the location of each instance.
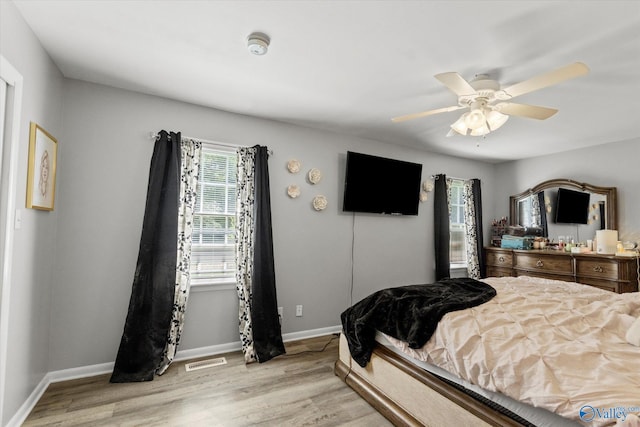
(610, 272)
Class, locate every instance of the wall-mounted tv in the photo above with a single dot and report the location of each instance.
(572, 207)
(380, 185)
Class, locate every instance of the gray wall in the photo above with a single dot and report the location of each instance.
(608, 165)
(101, 193)
(34, 244)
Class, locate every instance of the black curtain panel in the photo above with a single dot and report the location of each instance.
(441, 227)
(267, 336)
(145, 331)
(542, 207)
(477, 204)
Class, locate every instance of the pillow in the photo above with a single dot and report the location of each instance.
(633, 334)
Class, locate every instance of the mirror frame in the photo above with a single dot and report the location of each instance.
(609, 192)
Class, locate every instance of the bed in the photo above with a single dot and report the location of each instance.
(541, 352)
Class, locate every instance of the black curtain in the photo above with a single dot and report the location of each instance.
(542, 207)
(149, 317)
(267, 336)
(477, 205)
(441, 227)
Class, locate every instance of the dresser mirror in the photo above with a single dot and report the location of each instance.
(532, 207)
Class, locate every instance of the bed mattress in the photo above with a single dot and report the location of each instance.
(557, 347)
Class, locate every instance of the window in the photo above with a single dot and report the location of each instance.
(457, 230)
(214, 220)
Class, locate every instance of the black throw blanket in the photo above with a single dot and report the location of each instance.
(408, 313)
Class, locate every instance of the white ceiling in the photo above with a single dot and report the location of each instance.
(349, 66)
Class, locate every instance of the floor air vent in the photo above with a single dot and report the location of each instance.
(208, 363)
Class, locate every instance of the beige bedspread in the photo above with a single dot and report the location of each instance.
(556, 345)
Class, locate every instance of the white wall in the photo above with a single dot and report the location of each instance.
(610, 165)
(34, 243)
(102, 185)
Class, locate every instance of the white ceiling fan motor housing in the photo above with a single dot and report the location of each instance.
(485, 90)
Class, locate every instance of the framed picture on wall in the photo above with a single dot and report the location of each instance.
(41, 173)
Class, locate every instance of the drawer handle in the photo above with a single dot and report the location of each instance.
(598, 269)
(501, 259)
(539, 264)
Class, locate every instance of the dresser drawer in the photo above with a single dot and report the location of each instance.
(500, 259)
(607, 285)
(602, 269)
(499, 271)
(544, 263)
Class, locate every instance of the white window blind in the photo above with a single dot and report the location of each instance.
(457, 230)
(214, 220)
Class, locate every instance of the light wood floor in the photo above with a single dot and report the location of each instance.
(296, 390)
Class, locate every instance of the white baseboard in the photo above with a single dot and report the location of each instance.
(292, 336)
(104, 368)
(81, 372)
(25, 409)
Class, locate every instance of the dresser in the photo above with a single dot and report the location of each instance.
(610, 272)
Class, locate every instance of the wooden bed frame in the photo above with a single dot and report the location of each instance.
(410, 396)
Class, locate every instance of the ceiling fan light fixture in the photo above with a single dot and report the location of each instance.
(495, 119)
(481, 131)
(475, 118)
(460, 125)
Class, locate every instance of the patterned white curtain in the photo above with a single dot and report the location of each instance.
(449, 182)
(471, 243)
(245, 246)
(189, 169)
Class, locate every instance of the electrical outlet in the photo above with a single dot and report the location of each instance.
(280, 313)
(298, 311)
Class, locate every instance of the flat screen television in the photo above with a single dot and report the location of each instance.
(379, 185)
(572, 207)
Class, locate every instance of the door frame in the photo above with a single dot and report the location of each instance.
(8, 178)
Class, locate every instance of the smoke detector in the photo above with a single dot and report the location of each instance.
(258, 43)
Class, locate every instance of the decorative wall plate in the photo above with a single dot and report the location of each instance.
(319, 203)
(427, 186)
(293, 191)
(293, 166)
(315, 176)
(424, 196)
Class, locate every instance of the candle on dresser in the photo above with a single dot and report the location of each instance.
(607, 240)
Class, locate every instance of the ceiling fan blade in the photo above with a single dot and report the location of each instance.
(544, 80)
(524, 110)
(425, 113)
(455, 83)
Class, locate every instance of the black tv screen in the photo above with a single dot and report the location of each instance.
(572, 207)
(379, 185)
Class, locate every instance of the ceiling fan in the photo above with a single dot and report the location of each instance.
(488, 103)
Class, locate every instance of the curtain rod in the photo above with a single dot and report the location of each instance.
(451, 177)
(155, 135)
